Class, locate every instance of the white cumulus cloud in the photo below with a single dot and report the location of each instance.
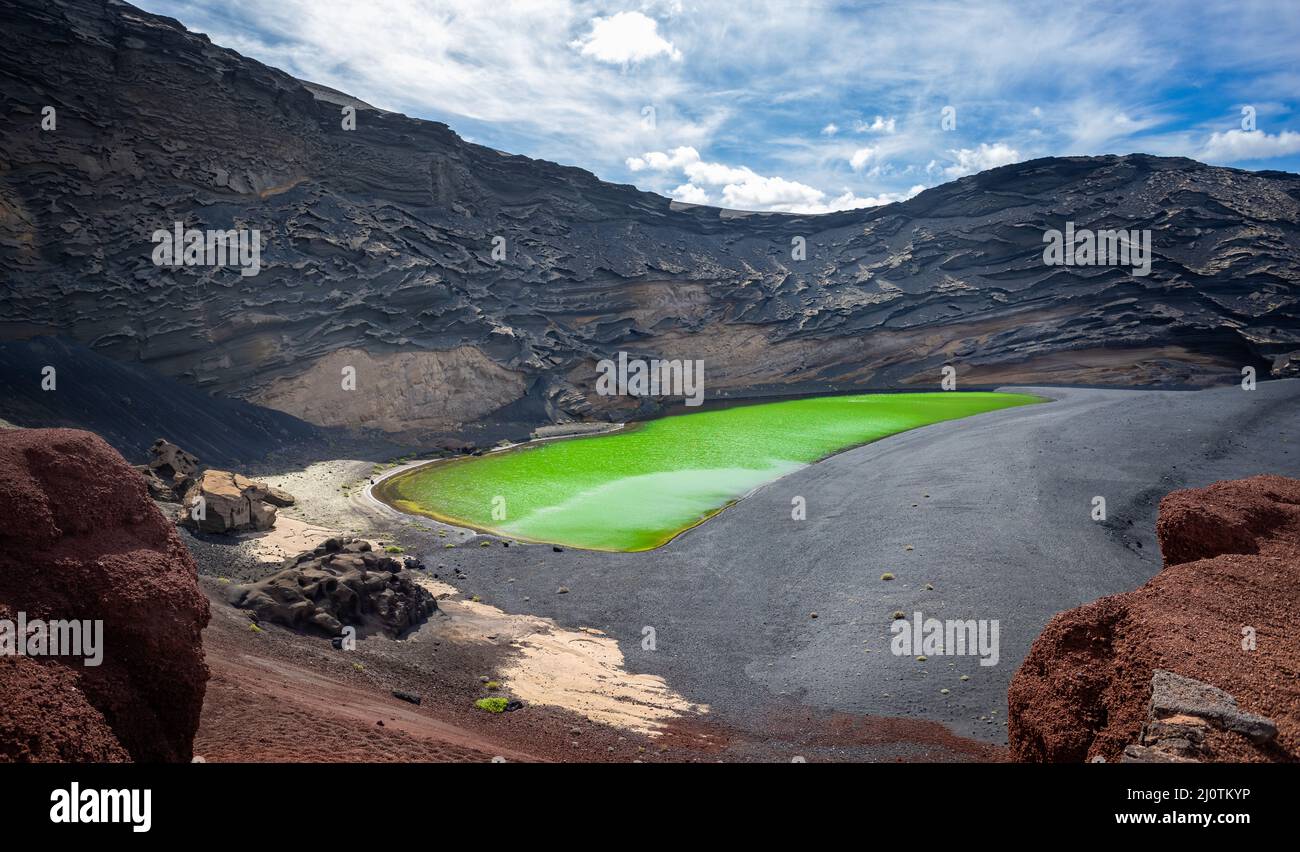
(624, 37)
(690, 194)
(1249, 145)
(862, 157)
(850, 201)
(967, 161)
(742, 188)
(879, 125)
(678, 158)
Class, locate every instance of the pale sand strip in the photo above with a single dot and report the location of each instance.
(579, 670)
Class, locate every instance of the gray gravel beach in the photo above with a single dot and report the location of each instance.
(997, 509)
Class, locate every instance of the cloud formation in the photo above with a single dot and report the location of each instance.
(741, 188)
(968, 161)
(624, 37)
(846, 105)
(1235, 146)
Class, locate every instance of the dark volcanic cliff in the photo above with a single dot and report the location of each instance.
(378, 253)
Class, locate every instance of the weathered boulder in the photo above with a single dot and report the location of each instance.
(278, 497)
(1286, 365)
(170, 460)
(340, 583)
(224, 502)
(170, 473)
(1195, 665)
(1185, 715)
(80, 541)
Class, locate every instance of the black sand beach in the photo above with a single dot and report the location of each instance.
(997, 509)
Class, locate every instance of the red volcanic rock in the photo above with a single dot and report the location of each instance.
(1247, 516)
(45, 717)
(1231, 575)
(80, 540)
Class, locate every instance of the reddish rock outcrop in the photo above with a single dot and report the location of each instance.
(80, 540)
(1221, 612)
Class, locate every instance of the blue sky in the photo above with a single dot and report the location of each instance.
(802, 107)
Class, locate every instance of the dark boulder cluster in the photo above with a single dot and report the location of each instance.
(340, 583)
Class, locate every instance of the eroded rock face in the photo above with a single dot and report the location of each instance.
(380, 240)
(340, 583)
(170, 461)
(398, 391)
(226, 502)
(80, 540)
(1199, 663)
(170, 473)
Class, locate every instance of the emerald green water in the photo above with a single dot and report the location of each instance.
(638, 488)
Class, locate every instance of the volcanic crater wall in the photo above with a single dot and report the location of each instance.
(380, 239)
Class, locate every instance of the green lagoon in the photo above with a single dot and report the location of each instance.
(637, 488)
